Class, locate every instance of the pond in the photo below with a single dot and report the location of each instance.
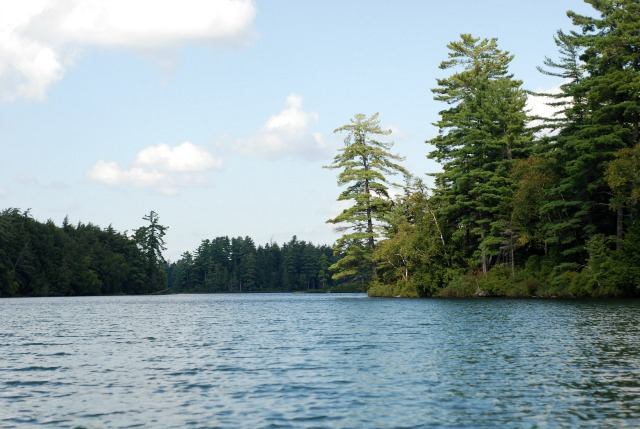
(318, 360)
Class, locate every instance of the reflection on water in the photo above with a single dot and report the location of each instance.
(318, 361)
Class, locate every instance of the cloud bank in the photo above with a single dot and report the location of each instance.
(161, 168)
(286, 134)
(39, 39)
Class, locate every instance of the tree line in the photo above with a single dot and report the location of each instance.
(43, 259)
(519, 208)
(238, 265)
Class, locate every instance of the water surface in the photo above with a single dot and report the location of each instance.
(303, 361)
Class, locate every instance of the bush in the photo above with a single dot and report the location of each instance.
(497, 282)
(531, 286)
(461, 286)
(400, 289)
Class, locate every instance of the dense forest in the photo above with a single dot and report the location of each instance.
(523, 205)
(238, 265)
(42, 259)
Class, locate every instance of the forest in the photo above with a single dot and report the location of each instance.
(42, 259)
(523, 206)
(238, 265)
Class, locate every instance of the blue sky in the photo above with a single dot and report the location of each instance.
(219, 115)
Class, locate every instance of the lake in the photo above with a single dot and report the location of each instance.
(318, 361)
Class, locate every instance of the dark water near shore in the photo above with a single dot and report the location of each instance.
(332, 361)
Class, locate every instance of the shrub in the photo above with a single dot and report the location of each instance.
(400, 289)
(497, 282)
(460, 286)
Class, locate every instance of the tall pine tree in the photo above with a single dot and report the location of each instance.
(480, 135)
(366, 168)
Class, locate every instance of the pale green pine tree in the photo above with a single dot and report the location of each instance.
(366, 166)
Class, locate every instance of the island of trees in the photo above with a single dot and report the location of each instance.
(523, 205)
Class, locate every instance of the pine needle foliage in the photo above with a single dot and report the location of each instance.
(366, 168)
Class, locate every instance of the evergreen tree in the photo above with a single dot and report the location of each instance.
(599, 116)
(247, 266)
(237, 265)
(323, 273)
(366, 166)
(181, 273)
(611, 55)
(41, 259)
(150, 239)
(480, 136)
(565, 207)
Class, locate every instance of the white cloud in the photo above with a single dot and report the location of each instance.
(538, 105)
(161, 168)
(40, 38)
(184, 158)
(286, 134)
(3, 192)
(27, 66)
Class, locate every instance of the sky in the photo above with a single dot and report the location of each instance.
(219, 115)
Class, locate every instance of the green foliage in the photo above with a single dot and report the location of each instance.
(623, 177)
(401, 289)
(600, 102)
(480, 137)
(150, 240)
(414, 256)
(236, 265)
(461, 286)
(366, 166)
(612, 273)
(552, 214)
(323, 273)
(497, 282)
(531, 179)
(42, 259)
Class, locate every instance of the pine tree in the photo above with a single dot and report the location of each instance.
(366, 167)
(600, 108)
(564, 207)
(150, 239)
(612, 57)
(323, 272)
(480, 135)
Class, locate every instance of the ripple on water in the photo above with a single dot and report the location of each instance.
(318, 361)
(37, 368)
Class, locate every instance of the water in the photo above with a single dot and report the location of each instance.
(303, 361)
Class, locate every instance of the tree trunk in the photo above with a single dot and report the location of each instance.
(371, 240)
(511, 248)
(619, 228)
(483, 256)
